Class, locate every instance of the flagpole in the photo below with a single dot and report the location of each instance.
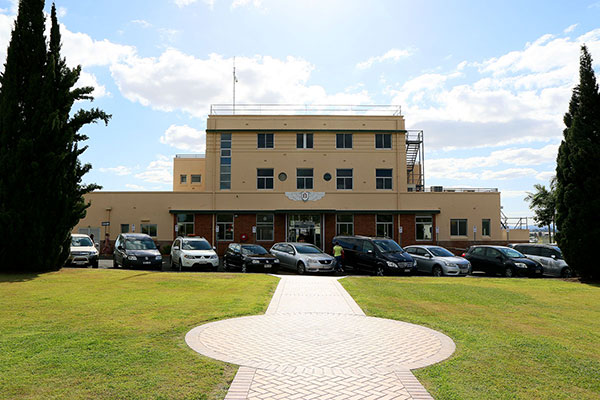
(234, 81)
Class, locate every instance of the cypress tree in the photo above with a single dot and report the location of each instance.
(41, 194)
(577, 177)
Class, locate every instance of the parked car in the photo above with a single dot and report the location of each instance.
(134, 250)
(193, 252)
(379, 256)
(549, 256)
(302, 257)
(502, 260)
(249, 257)
(438, 261)
(83, 251)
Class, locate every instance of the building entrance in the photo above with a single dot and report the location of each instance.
(305, 227)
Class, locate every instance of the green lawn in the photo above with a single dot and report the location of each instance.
(515, 338)
(106, 334)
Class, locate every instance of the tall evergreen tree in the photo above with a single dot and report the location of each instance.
(41, 194)
(577, 177)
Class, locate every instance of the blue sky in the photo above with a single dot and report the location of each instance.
(488, 82)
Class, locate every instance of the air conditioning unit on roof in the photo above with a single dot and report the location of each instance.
(437, 188)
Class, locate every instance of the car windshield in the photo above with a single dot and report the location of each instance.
(388, 246)
(255, 249)
(195, 245)
(511, 253)
(81, 242)
(139, 244)
(440, 252)
(308, 249)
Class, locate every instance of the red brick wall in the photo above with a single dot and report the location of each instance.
(364, 224)
(203, 226)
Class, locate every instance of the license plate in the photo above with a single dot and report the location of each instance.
(406, 269)
(146, 262)
(267, 266)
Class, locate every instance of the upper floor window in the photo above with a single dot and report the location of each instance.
(182, 178)
(343, 140)
(304, 140)
(485, 227)
(383, 179)
(264, 178)
(304, 178)
(383, 140)
(225, 172)
(344, 179)
(265, 140)
(196, 178)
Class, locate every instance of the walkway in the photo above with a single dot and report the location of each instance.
(314, 342)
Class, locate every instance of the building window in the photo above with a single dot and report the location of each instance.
(264, 178)
(458, 227)
(383, 140)
(124, 228)
(182, 179)
(225, 177)
(264, 227)
(225, 227)
(424, 228)
(196, 178)
(343, 140)
(304, 140)
(385, 225)
(149, 229)
(304, 178)
(265, 141)
(383, 179)
(345, 224)
(485, 227)
(344, 179)
(185, 224)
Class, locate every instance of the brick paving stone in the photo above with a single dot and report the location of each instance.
(314, 342)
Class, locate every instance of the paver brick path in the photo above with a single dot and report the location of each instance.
(314, 342)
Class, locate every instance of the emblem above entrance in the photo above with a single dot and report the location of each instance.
(305, 196)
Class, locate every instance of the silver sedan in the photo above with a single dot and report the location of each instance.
(302, 257)
(438, 261)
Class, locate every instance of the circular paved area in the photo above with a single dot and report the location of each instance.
(321, 343)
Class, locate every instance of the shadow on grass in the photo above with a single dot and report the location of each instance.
(14, 278)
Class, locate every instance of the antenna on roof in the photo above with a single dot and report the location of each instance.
(234, 82)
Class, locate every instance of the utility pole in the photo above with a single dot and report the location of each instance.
(234, 82)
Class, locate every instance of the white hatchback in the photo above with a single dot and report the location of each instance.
(193, 252)
(83, 251)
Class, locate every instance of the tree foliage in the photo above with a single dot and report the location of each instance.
(577, 175)
(543, 204)
(41, 189)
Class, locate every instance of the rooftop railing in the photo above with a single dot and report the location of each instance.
(305, 109)
(197, 155)
(459, 190)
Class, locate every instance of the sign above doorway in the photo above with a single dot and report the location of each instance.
(305, 196)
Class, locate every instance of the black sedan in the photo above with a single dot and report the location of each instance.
(249, 257)
(502, 260)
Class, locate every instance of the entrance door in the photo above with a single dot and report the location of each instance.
(305, 228)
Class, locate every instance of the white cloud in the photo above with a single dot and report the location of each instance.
(120, 170)
(81, 49)
(135, 187)
(61, 12)
(142, 23)
(391, 55)
(178, 81)
(158, 171)
(570, 28)
(185, 138)
(509, 173)
(183, 3)
(513, 194)
(545, 175)
(88, 79)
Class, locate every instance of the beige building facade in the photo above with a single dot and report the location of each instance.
(271, 178)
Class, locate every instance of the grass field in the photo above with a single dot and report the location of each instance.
(105, 334)
(515, 338)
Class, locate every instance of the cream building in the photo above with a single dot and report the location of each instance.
(277, 177)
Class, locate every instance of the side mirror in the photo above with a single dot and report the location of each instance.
(369, 251)
(215, 248)
(175, 247)
(428, 255)
(97, 246)
(553, 256)
(120, 247)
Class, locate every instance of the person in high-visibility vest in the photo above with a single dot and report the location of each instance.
(337, 253)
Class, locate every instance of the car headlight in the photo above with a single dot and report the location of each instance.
(276, 260)
(451, 265)
(312, 260)
(520, 265)
(132, 258)
(255, 262)
(188, 256)
(159, 257)
(214, 256)
(391, 264)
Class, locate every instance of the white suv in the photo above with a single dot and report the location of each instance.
(193, 252)
(83, 251)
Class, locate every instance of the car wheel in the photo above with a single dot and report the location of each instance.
(566, 273)
(301, 268)
(508, 272)
(437, 271)
(225, 265)
(171, 264)
(380, 271)
(95, 264)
